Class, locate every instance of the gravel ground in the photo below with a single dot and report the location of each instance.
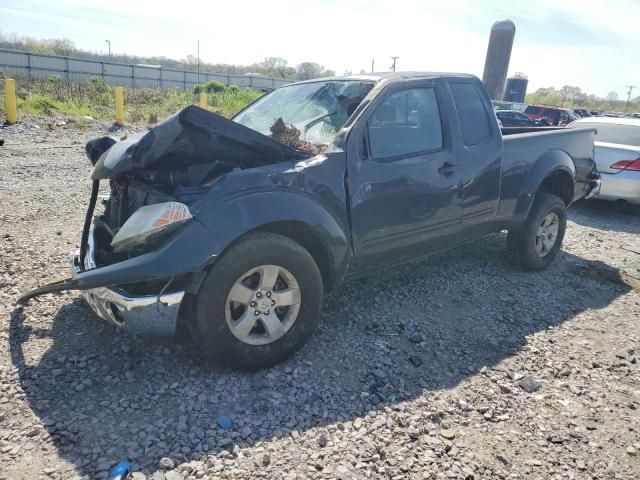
(426, 372)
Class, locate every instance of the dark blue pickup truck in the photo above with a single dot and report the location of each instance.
(235, 229)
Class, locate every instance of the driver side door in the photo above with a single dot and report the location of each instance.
(403, 181)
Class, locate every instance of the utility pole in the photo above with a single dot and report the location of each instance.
(630, 87)
(198, 62)
(393, 66)
(373, 62)
(109, 45)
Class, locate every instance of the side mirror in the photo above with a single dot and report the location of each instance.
(96, 147)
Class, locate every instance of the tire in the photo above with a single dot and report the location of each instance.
(221, 326)
(523, 243)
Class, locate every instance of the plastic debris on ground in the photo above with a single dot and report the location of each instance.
(224, 422)
(122, 471)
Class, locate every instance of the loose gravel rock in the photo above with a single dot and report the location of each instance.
(413, 374)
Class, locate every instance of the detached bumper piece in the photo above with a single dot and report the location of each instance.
(144, 314)
(594, 183)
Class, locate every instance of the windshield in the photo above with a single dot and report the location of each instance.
(318, 109)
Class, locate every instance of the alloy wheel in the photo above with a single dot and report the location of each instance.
(547, 234)
(263, 304)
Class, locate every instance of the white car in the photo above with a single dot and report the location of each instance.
(617, 155)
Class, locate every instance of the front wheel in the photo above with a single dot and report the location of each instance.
(534, 245)
(259, 303)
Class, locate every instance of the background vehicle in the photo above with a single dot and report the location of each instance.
(617, 155)
(553, 115)
(213, 224)
(581, 112)
(513, 118)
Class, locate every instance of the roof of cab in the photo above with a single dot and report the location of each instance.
(387, 77)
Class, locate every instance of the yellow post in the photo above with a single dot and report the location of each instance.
(202, 100)
(10, 92)
(119, 105)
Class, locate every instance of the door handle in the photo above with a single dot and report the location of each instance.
(447, 169)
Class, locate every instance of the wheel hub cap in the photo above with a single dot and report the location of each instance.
(262, 305)
(547, 234)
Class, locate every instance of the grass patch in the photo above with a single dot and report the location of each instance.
(96, 99)
(231, 101)
(45, 105)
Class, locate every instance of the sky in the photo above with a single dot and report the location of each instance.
(592, 44)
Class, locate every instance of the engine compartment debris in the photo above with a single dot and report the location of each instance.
(290, 136)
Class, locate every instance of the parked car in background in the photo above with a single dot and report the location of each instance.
(514, 118)
(594, 113)
(555, 116)
(581, 112)
(617, 154)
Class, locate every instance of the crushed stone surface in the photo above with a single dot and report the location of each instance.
(415, 373)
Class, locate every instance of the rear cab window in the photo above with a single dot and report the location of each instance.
(473, 116)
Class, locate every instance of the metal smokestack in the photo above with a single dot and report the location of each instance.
(498, 56)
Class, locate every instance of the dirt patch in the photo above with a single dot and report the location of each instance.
(605, 273)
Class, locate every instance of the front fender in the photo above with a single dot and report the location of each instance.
(550, 162)
(230, 219)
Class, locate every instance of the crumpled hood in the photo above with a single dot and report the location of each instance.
(190, 137)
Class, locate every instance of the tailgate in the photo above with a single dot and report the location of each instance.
(609, 153)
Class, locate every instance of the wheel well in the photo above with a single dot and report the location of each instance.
(310, 241)
(560, 184)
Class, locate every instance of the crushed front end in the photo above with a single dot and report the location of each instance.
(142, 250)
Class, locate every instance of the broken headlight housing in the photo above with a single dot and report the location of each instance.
(150, 222)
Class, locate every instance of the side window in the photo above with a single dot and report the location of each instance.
(406, 123)
(473, 117)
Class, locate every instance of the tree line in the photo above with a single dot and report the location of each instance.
(271, 66)
(574, 97)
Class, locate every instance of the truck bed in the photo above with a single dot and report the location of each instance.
(515, 130)
(524, 149)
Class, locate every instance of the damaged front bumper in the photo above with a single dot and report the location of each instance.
(145, 314)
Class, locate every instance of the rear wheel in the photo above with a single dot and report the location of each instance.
(535, 244)
(259, 303)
